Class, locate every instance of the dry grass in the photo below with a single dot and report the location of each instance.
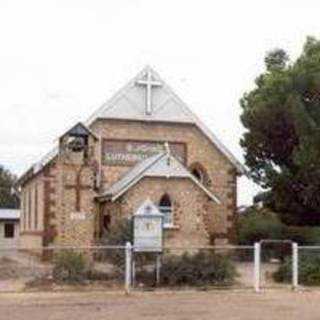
(10, 269)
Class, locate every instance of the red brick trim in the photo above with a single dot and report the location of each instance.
(48, 190)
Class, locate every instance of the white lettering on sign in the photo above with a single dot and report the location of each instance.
(118, 152)
(77, 216)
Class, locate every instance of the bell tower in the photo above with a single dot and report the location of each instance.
(76, 181)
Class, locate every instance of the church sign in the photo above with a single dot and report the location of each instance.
(147, 228)
(129, 152)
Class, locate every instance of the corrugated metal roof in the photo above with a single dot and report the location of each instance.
(9, 214)
(131, 175)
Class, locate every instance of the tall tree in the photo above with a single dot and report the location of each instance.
(282, 139)
(8, 199)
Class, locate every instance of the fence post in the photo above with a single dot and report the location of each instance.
(158, 267)
(294, 266)
(128, 254)
(257, 262)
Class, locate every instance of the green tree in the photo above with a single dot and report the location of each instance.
(7, 197)
(281, 116)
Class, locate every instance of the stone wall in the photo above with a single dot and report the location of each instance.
(221, 173)
(32, 209)
(75, 221)
(76, 209)
(56, 203)
(195, 217)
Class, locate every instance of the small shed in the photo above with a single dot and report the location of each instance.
(9, 227)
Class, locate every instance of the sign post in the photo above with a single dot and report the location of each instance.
(147, 228)
(257, 265)
(294, 266)
(148, 233)
(128, 267)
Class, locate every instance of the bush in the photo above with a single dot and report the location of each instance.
(200, 269)
(258, 224)
(70, 266)
(302, 235)
(308, 270)
(313, 236)
(122, 232)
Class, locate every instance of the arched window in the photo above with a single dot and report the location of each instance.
(165, 207)
(200, 173)
(106, 222)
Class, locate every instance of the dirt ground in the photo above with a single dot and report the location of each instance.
(230, 305)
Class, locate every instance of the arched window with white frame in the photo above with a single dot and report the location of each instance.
(165, 207)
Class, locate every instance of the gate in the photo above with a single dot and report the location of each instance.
(269, 256)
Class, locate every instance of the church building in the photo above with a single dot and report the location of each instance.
(144, 144)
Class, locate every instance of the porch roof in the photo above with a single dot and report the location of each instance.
(160, 165)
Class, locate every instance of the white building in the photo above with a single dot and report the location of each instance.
(9, 227)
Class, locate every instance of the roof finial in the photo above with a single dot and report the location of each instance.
(168, 153)
(167, 148)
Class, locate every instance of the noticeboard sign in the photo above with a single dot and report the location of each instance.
(130, 152)
(147, 228)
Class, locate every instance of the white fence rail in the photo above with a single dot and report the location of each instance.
(122, 268)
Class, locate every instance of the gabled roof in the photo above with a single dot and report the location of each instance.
(80, 130)
(129, 104)
(9, 214)
(148, 208)
(160, 165)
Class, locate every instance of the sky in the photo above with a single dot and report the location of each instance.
(60, 60)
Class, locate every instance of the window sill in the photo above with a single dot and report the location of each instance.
(171, 227)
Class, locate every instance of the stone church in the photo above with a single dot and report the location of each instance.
(142, 144)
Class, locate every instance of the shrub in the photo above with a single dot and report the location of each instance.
(69, 266)
(200, 269)
(257, 224)
(313, 237)
(302, 235)
(308, 270)
(121, 233)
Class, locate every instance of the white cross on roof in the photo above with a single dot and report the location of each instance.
(149, 83)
